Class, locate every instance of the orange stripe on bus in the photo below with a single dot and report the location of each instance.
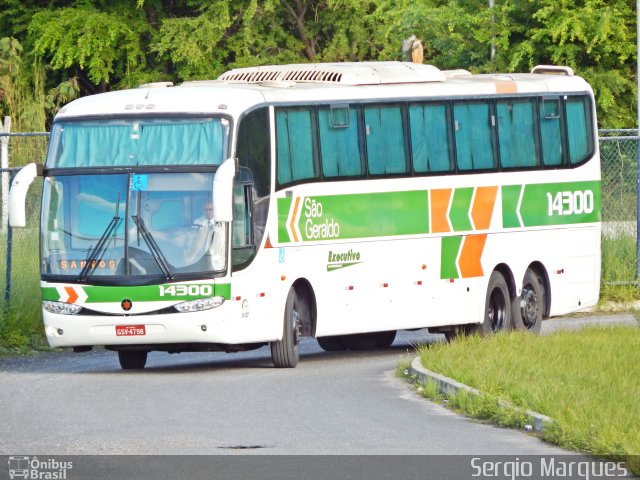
(293, 220)
(482, 208)
(470, 256)
(506, 87)
(73, 295)
(439, 206)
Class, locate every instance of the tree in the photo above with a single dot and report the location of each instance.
(106, 47)
(88, 46)
(594, 37)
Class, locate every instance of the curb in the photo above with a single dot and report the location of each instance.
(448, 386)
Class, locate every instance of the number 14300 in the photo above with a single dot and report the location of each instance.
(570, 202)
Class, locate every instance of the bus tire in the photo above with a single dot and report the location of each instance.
(285, 353)
(497, 310)
(530, 305)
(132, 359)
(331, 344)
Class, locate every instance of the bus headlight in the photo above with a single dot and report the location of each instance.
(61, 307)
(199, 304)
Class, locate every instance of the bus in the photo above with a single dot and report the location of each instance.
(340, 201)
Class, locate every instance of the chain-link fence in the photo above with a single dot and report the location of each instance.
(19, 247)
(19, 270)
(619, 167)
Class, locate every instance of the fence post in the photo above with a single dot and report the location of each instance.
(7, 291)
(638, 209)
(4, 140)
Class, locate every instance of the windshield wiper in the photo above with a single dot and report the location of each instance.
(157, 254)
(98, 251)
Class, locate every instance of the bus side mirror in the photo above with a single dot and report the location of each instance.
(18, 193)
(223, 191)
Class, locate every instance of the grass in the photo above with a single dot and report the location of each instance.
(588, 381)
(619, 269)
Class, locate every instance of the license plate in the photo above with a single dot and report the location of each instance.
(130, 330)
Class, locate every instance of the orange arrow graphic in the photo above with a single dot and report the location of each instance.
(439, 206)
(293, 219)
(470, 256)
(482, 208)
(73, 296)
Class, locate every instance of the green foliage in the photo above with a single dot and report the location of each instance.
(87, 46)
(22, 86)
(595, 38)
(102, 43)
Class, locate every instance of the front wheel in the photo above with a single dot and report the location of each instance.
(285, 352)
(529, 307)
(497, 310)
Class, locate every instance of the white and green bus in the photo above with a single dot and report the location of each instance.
(338, 201)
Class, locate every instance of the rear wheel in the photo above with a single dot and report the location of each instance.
(529, 307)
(285, 352)
(497, 310)
(132, 359)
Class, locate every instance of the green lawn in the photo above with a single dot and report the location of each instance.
(588, 381)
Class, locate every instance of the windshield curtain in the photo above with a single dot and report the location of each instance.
(129, 142)
(132, 225)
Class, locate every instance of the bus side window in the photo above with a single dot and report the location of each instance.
(339, 142)
(579, 129)
(385, 139)
(551, 131)
(516, 133)
(295, 151)
(242, 234)
(430, 142)
(473, 124)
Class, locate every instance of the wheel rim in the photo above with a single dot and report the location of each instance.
(295, 318)
(497, 310)
(529, 306)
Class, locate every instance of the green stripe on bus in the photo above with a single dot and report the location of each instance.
(565, 203)
(385, 214)
(449, 256)
(284, 205)
(510, 196)
(146, 293)
(459, 214)
(338, 217)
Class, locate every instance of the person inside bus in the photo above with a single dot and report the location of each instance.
(209, 241)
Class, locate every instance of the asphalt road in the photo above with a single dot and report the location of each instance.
(216, 403)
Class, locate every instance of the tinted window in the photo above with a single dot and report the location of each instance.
(516, 133)
(578, 129)
(473, 133)
(339, 142)
(385, 140)
(551, 131)
(295, 155)
(430, 143)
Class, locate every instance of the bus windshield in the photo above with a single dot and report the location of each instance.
(143, 225)
(130, 142)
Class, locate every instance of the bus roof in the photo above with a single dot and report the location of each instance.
(241, 89)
